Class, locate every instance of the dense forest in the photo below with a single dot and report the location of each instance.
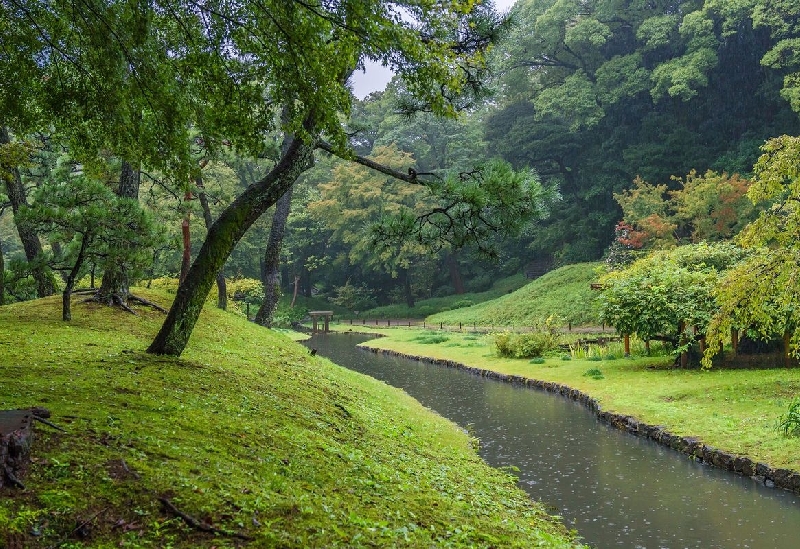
(143, 140)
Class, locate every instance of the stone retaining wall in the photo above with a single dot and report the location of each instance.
(691, 446)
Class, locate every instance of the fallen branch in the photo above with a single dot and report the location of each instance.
(196, 524)
(78, 528)
(49, 423)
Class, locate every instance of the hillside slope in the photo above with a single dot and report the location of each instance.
(247, 440)
(563, 292)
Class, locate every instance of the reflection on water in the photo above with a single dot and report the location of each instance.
(614, 488)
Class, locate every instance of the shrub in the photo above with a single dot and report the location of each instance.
(789, 423)
(286, 317)
(431, 339)
(594, 373)
(537, 360)
(535, 344)
(462, 303)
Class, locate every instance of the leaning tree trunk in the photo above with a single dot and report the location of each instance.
(226, 231)
(45, 284)
(271, 270)
(66, 296)
(115, 284)
(222, 287)
(186, 237)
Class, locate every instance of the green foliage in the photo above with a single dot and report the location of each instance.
(470, 208)
(761, 294)
(595, 94)
(537, 360)
(287, 317)
(355, 298)
(248, 290)
(789, 423)
(704, 208)
(92, 225)
(594, 373)
(525, 345)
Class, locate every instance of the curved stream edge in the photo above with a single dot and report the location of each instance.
(691, 446)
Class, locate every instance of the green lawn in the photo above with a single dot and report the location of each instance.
(247, 433)
(733, 410)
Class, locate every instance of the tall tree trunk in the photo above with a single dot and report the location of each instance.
(455, 273)
(407, 288)
(45, 283)
(272, 258)
(226, 231)
(307, 287)
(294, 294)
(115, 284)
(2, 277)
(222, 287)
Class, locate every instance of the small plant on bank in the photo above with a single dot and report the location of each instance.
(537, 360)
(789, 423)
(594, 373)
(431, 339)
(566, 357)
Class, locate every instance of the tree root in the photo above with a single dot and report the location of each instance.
(116, 300)
(196, 524)
(146, 302)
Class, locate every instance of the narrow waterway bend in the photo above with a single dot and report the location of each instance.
(615, 489)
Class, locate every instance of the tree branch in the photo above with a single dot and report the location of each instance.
(410, 177)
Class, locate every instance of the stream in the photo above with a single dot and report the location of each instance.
(615, 489)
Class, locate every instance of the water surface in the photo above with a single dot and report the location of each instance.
(616, 489)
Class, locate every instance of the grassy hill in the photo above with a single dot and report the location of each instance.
(259, 443)
(426, 307)
(564, 292)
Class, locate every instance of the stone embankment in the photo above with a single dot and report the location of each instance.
(691, 446)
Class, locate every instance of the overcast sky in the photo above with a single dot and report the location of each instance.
(376, 77)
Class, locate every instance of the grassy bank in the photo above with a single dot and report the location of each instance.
(426, 307)
(733, 410)
(564, 292)
(258, 441)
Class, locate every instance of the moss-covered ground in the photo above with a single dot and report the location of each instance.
(257, 442)
(733, 410)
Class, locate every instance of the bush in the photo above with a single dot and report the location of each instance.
(431, 339)
(594, 373)
(462, 303)
(537, 360)
(286, 317)
(789, 424)
(536, 344)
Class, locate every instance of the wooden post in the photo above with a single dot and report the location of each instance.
(327, 319)
(627, 341)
